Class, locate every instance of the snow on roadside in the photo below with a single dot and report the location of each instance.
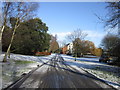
(11, 71)
(28, 58)
(110, 74)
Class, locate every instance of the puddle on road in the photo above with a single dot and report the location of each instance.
(13, 70)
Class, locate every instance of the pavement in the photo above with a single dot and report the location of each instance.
(56, 74)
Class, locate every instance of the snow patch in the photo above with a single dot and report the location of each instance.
(110, 74)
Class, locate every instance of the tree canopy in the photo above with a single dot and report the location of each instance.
(30, 37)
(111, 42)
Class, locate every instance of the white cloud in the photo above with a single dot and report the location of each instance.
(61, 36)
(94, 36)
(91, 34)
(62, 33)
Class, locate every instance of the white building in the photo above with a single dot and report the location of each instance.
(70, 47)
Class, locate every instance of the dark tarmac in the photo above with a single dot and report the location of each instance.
(56, 74)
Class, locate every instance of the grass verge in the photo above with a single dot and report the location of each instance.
(23, 62)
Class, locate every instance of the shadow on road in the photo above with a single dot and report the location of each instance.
(94, 64)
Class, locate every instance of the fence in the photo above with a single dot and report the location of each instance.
(42, 53)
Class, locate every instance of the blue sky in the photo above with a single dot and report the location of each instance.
(63, 18)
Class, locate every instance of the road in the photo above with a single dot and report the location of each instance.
(56, 74)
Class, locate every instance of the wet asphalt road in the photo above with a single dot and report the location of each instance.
(56, 74)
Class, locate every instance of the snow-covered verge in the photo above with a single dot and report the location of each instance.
(110, 74)
(27, 57)
(11, 70)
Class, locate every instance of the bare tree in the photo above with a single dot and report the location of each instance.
(113, 14)
(76, 34)
(7, 9)
(76, 37)
(112, 19)
(53, 44)
(23, 11)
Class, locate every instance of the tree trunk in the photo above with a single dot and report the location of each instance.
(9, 54)
(8, 50)
(1, 32)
